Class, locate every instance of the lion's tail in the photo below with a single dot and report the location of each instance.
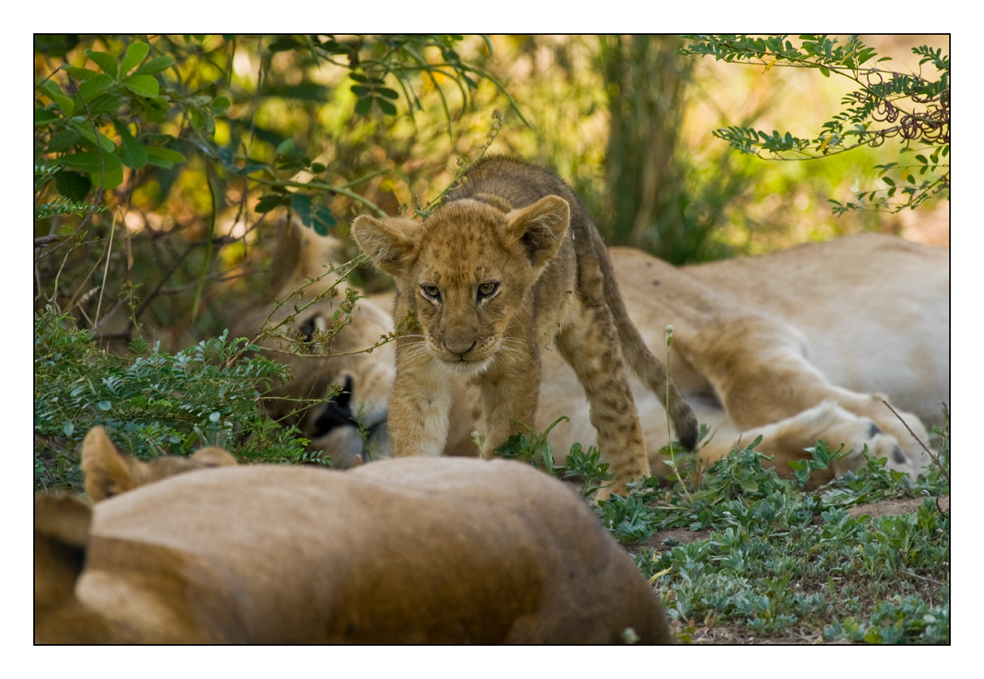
(642, 361)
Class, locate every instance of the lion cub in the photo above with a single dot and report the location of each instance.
(509, 265)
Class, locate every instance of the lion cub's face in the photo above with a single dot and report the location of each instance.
(468, 270)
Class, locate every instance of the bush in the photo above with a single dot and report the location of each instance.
(153, 403)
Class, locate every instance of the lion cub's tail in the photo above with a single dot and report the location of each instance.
(642, 361)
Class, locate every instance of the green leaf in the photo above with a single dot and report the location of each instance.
(387, 92)
(104, 103)
(80, 73)
(43, 116)
(214, 417)
(104, 405)
(50, 87)
(301, 204)
(285, 147)
(142, 85)
(322, 220)
(84, 129)
(88, 162)
(219, 106)
(360, 90)
(68, 428)
(95, 86)
(160, 157)
(283, 43)
(73, 185)
(132, 153)
(62, 141)
(105, 62)
(749, 485)
(386, 106)
(269, 202)
(362, 106)
(135, 53)
(824, 72)
(155, 65)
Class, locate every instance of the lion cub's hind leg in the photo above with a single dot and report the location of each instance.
(591, 347)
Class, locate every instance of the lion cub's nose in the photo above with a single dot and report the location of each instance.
(459, 348)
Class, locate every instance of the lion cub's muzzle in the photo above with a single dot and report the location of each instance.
(466, 356)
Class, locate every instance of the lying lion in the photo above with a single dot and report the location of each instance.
(418, 550)
(797, 346)
(351, 426)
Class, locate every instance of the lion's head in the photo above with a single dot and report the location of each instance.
(347, 423)
(466, 270)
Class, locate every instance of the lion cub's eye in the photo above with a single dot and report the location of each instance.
(431, 291)
(487, 289)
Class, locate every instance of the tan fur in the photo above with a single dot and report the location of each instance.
(853, 316)
(794, 346)
(508, 266)
(108, 473)
(333, 425)
(401, 551)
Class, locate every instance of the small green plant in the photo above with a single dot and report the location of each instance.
(774, 560)
(154, 403)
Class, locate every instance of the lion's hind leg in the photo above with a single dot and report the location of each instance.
(790, 439)
(759, 370)
(592, 349)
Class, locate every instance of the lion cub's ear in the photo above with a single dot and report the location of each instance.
(541, 228)
(387, 241)
(107, 471)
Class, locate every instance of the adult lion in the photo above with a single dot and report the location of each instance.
(796, 346)
(402, 551)
(816, 335)
(350, 426)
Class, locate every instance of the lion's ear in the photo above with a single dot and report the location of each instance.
(107, 471)
(541, 228)
(388, 242)
(300, 253)
(61, 534)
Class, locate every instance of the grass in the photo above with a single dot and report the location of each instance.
(741, 555)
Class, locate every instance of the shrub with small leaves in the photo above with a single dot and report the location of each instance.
(154, 403)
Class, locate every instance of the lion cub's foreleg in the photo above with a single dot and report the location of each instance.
(507, 394)
(419, 406)
(592, 349)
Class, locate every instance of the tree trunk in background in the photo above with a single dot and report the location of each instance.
(645, 82)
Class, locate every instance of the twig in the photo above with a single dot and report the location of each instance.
(155, 291)
(109, 254)
(922, 577)
(41, 241)
(916, 438)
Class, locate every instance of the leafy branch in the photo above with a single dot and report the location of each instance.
(887, 104)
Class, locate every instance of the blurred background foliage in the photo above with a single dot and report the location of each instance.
(196, 165)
